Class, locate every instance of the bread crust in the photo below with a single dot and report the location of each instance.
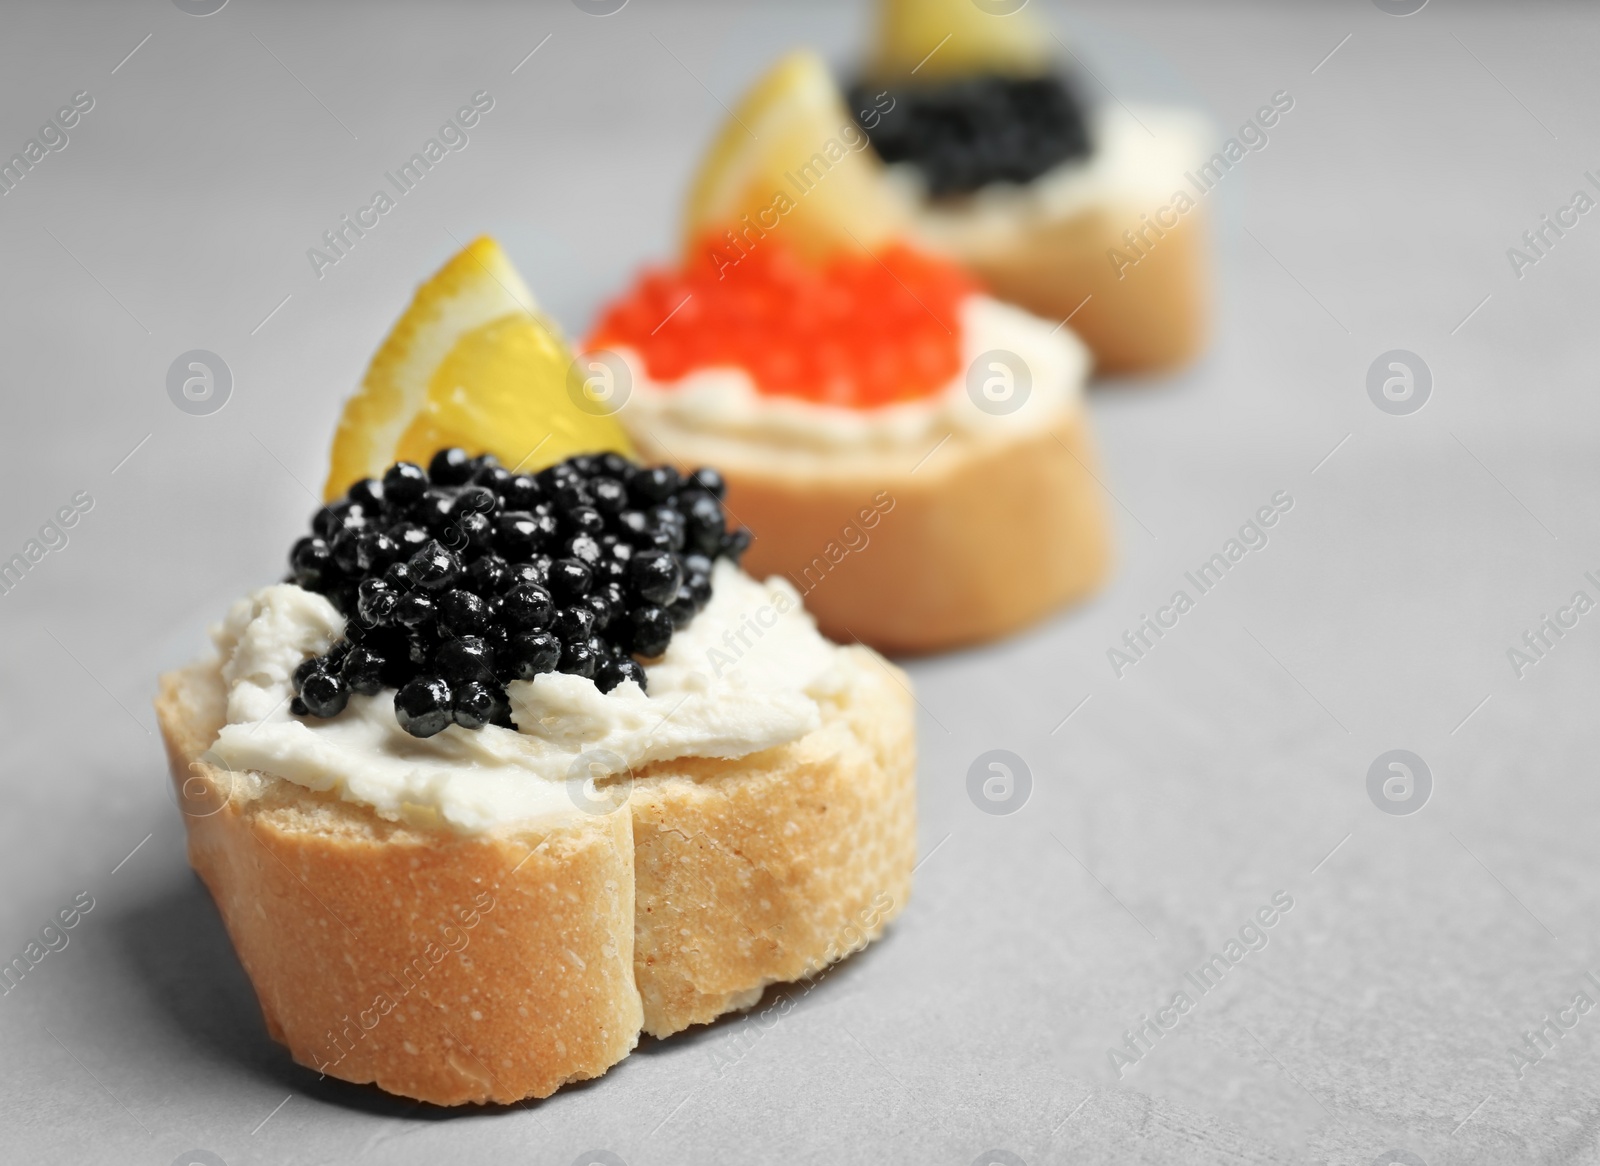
(768, 868)
(1151, 315)
(517, 961)
(984, 537)
(334, 910)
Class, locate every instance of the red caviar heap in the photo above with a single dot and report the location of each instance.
(860, 330)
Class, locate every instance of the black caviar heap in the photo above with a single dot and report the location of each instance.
(967, 133)
(460, 578)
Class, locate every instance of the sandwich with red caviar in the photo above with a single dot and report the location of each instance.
(1063, 208)
(912, 454)
(517, 763)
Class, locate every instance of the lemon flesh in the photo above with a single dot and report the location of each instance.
(418, 390)
(944, 39)
(504, 389)
(791, 165)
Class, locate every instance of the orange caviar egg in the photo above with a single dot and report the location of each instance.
(862, 330)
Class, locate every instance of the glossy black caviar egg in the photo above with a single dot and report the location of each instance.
(474, 704)
(423, 706)
(969, 132)
(324, 694)
(655, 575)
(434, 567)
(530, 653)
(526, 608)
(650, 629)
(464, 658)
(450, 467)
(362, 671)
(461, 613)
(615, 669)
(458, 579)
(578, 659)
(403, 484)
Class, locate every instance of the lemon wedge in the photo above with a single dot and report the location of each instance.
(791, 164)
(504, 390)
(473, 363)
(942, 39)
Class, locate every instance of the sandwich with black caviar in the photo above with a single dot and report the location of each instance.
(479, 789)
(1064, 207)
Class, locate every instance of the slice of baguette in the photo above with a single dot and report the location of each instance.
(767, 868)
(1137, 318)
(331, 908)
(1116, 241)
(919, 554)
(454, 968)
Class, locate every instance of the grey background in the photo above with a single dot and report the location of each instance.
(1223, 768)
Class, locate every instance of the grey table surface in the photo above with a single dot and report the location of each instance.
(1228, 766)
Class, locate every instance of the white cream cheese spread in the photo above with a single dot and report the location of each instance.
(1140, 157)
(742, 677)
(724, 402)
